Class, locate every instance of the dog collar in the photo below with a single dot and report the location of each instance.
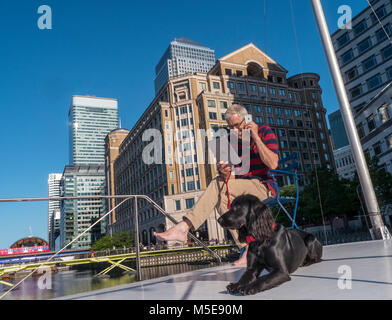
(250, 238)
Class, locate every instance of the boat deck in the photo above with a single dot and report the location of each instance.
(370, 264)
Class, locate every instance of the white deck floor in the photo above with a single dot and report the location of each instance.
(370, 263)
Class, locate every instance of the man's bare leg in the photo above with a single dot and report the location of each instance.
(242, 259)
(177, 233)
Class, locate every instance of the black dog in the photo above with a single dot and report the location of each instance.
(275, 249)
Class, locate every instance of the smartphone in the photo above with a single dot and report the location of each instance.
(248, 118)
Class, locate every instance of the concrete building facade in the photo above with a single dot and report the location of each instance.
(365, 53)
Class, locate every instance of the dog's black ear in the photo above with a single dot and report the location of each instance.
(260, 221)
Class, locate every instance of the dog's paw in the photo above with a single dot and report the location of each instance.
(232, 287)
(246, 291)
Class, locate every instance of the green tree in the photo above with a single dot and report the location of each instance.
(381, 179)
(325, 191)
(119, 240)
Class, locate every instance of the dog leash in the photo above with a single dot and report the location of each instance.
(228, 193)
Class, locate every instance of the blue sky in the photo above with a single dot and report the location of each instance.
(110, 49)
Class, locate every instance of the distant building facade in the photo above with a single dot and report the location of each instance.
(90, 120)
(181, 57)
(344, 162)
(338, 132)
(291, 106)
(54, 180)
(78, 215)
(112, 146)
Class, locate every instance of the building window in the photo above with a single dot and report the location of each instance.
(223, 105)
(282, 92)
(259, 119)
(294, 144)
(257, 108)
(380, 12)
(202, 86)
(371, 122)
(290, 122)
(213, 115)
(360, 27)
(273, 91)
(240, 86)
(216, 85)
(388, 140)
(292, 133)
(282, 133)
(297, 113)
(189, 172)
(347, 56)
(252, 87)
(280, 121)
(300, 123)
(283, 144)
(287, 112)
(377, 148)
(262, 89)
(343, 39)
(211, 103)
(387, 52)
(278, 111)
(355, 92)
(189, 203)
(369, 63)
(384, 113)
(270, 120)
(380, 33)
(389, 73)
(228, 72)
(351, 74)
(374, 82)
(191, 185)
(268, 109)
(230, 84)
(360, 130)
(364, 45)
(166, 113)
(239, 73)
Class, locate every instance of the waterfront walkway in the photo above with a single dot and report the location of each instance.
(370, 264)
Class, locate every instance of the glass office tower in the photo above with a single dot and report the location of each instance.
(90, 120)
(181, 57)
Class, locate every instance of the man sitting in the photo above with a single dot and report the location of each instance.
(231, 182)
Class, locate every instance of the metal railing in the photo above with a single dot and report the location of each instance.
(125, 198)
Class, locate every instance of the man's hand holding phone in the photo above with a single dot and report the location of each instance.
(225, 169)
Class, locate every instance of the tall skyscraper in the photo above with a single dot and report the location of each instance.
(181, 57)
(53, 208)
(365, 53)
(90, 120)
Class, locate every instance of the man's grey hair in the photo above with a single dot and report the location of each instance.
(236, 109)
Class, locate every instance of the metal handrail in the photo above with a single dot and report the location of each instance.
(126, 197)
